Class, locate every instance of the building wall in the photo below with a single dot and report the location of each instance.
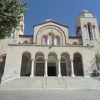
(4, 45)
(22, 40)
(77, 41)
(44, 29)
(15, 52)
(14, 47)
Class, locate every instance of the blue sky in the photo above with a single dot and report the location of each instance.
(62, 11)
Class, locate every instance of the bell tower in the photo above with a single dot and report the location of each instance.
(87, 27)
(20, 29)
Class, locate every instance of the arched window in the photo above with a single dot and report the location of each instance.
(90, 31)
(86, 34)
(56, 40)
(50, 39)
(44, 40)
(39, 64)
(26, 64)
(2, 64)
(94, 33)
(78, 65)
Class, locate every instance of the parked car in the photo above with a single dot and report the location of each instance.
(95, 73)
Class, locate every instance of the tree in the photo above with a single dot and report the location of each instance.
(10, 16)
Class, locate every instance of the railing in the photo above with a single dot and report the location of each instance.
(44, 82)
(65, 83)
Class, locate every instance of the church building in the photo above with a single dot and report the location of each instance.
(50, 51)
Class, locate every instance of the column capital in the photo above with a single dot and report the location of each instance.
(45, 59)
(58, 59)
(33, 59)
(71, 59)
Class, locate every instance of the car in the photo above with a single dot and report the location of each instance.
(95, 73)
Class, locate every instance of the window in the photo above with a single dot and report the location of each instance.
(50, 39)
(56, 41)
(86, 32)
(44, 41)
(90, 31)
(94, 33)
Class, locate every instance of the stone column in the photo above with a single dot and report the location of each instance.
(59, 69)
(72, 68)
(46, 68)
(32, 68)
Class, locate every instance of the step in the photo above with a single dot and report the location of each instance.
(68, 83)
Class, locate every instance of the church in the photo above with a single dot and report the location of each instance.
(51, 51)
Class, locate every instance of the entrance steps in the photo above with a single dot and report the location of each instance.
(66, 83)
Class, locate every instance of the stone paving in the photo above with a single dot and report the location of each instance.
(49, 95)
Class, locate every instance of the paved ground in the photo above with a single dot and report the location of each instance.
(49, 95)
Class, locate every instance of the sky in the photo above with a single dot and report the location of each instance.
(62, 11)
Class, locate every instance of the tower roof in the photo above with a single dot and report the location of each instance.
(85, 13)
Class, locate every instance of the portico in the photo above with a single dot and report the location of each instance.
(55, 67)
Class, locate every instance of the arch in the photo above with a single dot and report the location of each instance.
(52, 57)
(62, 33)
(39, 64)
(90, 30)
(94, 31)
(26, 64)
(2, 64)
(44, 40)
(65, 64)
(39, 54)
(50, 38)
(78, 64)
(86, 32)
(52, 64)
(57, 40)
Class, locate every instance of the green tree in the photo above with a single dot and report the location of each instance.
(10, 16)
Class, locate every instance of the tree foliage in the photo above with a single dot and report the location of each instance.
(10, 16)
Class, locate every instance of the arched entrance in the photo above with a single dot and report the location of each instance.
(2, 65)
(26, 64)
(52, 60)
(39, 64)
(65, 65)
(78, 65)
